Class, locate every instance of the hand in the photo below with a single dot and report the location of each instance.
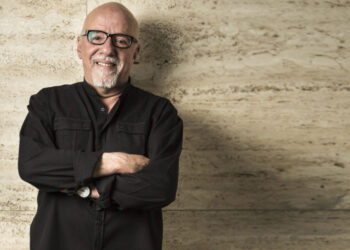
(120, 163)
(94, 193)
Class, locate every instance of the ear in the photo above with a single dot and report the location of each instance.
(79, 44)
(136, 52)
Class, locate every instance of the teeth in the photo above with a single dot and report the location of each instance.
(105, 64)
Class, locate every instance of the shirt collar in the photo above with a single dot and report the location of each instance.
(92, 91)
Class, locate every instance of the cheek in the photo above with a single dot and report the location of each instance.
(126, 61)
(88, 53)
(86, 64)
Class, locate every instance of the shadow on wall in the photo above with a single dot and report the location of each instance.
(160, 42)
(225, 170)
(220, 168)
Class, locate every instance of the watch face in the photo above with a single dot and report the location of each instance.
(84, 192)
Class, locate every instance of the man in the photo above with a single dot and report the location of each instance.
(103, 153)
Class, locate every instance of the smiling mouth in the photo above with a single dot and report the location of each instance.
(105, 64)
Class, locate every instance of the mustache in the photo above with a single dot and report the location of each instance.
(109, 59)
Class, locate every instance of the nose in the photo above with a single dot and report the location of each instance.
(108, 47)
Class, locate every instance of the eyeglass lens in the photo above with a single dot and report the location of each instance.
(99, 37)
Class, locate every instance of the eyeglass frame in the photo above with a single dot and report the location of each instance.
(132, 39)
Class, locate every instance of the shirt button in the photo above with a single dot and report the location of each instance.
(102, 109)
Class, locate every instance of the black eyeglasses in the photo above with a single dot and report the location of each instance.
(99, 37)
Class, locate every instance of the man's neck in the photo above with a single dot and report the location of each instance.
(109, 92)
(109, 102)
(109, 96)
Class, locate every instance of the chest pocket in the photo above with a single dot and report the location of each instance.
(129, 138)
(71, 133)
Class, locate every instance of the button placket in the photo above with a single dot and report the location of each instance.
(99, 224)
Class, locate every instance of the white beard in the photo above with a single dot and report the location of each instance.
(105, 80)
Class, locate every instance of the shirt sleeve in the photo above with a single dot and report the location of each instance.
(40, 163)
(155, 185)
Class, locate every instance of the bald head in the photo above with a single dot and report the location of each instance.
(106, 65)
(115, 13)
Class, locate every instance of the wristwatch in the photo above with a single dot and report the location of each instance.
(84, 192)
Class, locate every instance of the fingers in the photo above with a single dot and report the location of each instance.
(94, 193)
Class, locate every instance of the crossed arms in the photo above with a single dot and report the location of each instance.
(122, 180)
(118, 163)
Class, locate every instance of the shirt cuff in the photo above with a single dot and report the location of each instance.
(84, 166)
(104, 187)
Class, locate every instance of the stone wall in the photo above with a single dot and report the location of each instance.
(263, 88)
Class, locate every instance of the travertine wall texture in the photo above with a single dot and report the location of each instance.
(263, 88)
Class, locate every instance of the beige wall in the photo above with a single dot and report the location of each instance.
(263, 88)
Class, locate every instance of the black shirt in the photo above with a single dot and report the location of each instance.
(63, 137)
